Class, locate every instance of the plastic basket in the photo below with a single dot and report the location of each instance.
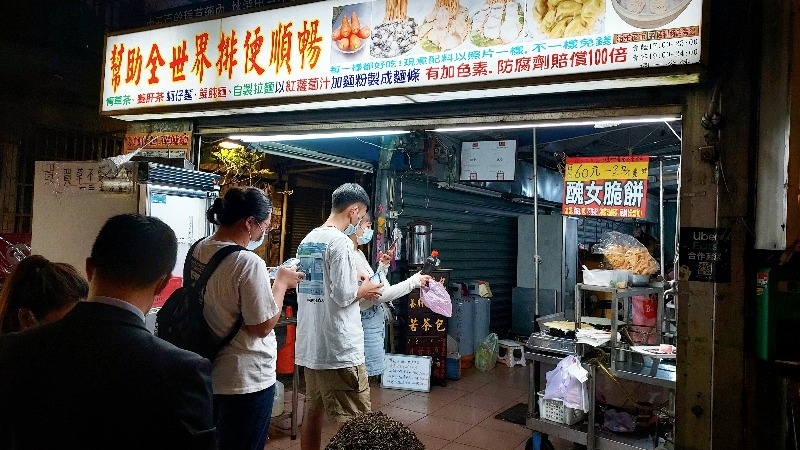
(554, 410)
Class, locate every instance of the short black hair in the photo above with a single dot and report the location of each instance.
(239, 203)
(134, 250)
(348, 194)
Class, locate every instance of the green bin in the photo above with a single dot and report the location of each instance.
(778, 315)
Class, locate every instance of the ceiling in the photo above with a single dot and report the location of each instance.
(652, 139)
(656, 139)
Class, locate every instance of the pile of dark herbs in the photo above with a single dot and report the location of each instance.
(375, 431)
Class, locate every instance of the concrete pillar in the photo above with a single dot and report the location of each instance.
(712, 358)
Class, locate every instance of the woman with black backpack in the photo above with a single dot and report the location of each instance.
(243, 374)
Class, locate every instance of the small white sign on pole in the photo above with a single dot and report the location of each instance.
(407, 372)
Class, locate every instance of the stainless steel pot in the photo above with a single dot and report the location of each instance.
(419, 242)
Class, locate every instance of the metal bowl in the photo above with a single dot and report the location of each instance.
(639, 280)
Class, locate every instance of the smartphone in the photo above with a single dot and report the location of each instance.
(294, 262)
(377, 278)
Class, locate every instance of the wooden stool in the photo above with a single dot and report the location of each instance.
(511, 353)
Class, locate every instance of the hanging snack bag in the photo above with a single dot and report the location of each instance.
(624, 252)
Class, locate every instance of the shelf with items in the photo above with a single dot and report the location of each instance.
(595, 437)
(621, 300)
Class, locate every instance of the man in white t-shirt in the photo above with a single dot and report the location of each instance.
(330, 340)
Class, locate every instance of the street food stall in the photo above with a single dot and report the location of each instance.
(546, 90)
(621, 331)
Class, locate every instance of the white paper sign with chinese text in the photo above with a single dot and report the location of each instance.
(407, 372)
(488, 160)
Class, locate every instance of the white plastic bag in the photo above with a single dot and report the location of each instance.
(567, 383)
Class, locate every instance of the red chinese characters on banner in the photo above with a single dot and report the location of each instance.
(116, 65)
(201, 61)
(308, 41)
(154, 61)
(179, 59)
(281, 53)
(133, 70)
(606, 187)
(251, 50)
(227, 53)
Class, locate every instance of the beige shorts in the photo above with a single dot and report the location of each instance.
(341, 393)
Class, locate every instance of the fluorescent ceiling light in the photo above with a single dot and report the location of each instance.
(595, 123)
(229, 144)
(297, 137)
(302, 154)
(470, 189)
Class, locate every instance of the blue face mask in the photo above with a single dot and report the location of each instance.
(351, 229)
(366, 237)
(252, 245)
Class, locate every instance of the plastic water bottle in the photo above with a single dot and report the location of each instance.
(431, 262)
(277, 403)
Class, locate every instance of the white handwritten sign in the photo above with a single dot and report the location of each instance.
(407, 372)
(69, 177)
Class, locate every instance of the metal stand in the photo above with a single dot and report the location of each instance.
(621, 297)
(587, 433)
(640, 369)
(282, 322)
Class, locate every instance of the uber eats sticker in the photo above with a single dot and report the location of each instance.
(705, 255)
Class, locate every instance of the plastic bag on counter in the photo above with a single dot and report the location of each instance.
(436, 298)
(567, 383)
(619, 421)
(624, 252)
(486, 354)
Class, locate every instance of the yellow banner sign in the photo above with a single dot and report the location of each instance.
(606, 187)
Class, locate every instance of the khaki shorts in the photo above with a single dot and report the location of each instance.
(341, 393)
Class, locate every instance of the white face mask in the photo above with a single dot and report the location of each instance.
(252, 245)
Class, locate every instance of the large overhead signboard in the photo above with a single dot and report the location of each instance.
(337, 47)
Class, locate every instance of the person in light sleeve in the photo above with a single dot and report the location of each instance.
(374, 312)
(330, 340)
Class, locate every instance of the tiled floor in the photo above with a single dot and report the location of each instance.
(459, 416)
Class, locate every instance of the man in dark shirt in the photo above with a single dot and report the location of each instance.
(97, 378)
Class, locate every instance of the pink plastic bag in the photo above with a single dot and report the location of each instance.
(436, 298)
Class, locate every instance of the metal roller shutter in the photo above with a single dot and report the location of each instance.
(308, 209)
(476, 237)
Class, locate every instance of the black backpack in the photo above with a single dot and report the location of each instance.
(181, 322)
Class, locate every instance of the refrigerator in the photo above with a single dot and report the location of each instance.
(73, 199)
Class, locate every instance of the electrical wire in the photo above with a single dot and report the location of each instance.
(730, 197)
(673, 131)
(599, 360)
(370, 143)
